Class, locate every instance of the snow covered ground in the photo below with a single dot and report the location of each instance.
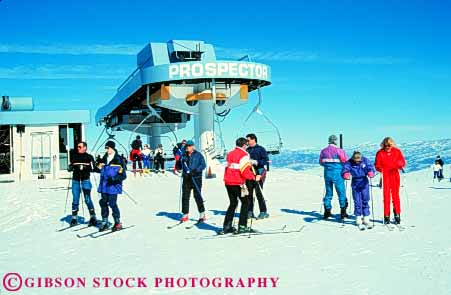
(322, 259)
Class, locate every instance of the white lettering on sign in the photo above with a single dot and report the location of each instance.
(220, 69)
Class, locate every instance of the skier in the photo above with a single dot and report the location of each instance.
(112, 174)
(436, 167)
(193, 164)
(389, 160)
(237, 171)
(360, 168)
(178, 151)
(135, 154)
(146, 155)
(332, 159)
(82, 164)
(159, 159)
(259, 159)
(441, 163)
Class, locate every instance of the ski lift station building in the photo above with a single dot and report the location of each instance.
(178, 80)
(36, 144)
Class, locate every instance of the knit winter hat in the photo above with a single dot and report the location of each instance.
(110, 144)
(333, 139)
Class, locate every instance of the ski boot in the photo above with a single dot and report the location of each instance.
(74, 220)
(202, 217)
(397, 219)
(366, 220)
(228, 229)
(386, 219)
(343, 213)
(327, 213)
(105, 225)
(359, 221)
(184, 218)
(93, 219)
(117, 225)
(244, 229)
(263, 215)
(250, 215)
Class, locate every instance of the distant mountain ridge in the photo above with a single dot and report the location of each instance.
(419, 155)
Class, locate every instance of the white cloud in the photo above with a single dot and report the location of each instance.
(305, 56)
(222, 52)
(54, 72)
(73, 49)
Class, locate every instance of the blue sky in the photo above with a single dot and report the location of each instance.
(365, 68)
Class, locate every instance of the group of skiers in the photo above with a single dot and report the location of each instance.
(144, 159)
(245, 173)
(337, 168)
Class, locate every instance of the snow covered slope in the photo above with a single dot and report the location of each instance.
(322, 259)
(419, 154)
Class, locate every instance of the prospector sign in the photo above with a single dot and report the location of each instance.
(220, 69)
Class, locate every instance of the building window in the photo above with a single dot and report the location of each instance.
(5, 149)
(63, 144)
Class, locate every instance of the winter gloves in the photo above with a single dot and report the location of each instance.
(112, 180)
(347, 175)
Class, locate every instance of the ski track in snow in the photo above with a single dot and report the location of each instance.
(325, 258)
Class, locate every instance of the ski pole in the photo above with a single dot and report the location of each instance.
(194, 182)
(180, 193)
(130, 197)
(371, 196)
(84, 199)
(346, 192)
(252, 219)
(321, 204)
(234, 213)
(67, 197)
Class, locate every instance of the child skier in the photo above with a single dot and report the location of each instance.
(112, 174)
(146, 157)
(360, 168)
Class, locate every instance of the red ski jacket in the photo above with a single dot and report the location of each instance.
(389, 161)
(238, 168)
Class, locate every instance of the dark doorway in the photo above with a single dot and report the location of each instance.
(5, 149)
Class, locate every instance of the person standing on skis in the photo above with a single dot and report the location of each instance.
(259, 160)
(332, 159)
(360, 168)
(237, 171)
(82, 164)
(112, 174)
(147, 158)
(135, 154)
(193, 164)
(159, 159)
(436, 168)
(389, 160)
(441, 163)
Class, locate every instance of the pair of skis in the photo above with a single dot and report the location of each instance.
(392, 227)
(98, 234)
(189, 226)
(253, 233)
